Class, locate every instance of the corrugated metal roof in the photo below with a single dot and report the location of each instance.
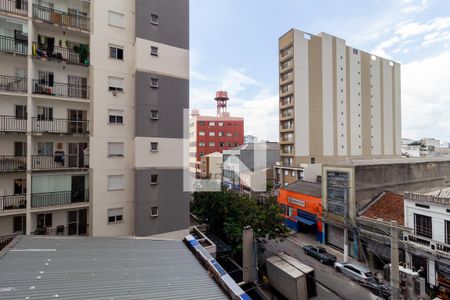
(305, 187)
(103, 268)
(443, 193)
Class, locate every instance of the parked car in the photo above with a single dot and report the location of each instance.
(320, 254)
(354, 271)
(379, 287)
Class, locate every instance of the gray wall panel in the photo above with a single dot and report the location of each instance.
(168, 195)
(173, 28)
(169, 99)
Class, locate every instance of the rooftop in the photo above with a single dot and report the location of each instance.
(214, 154)
(258, 146)
(370, 162)
(103, 268)
(305, 187)
(388, 207)
(441, 193)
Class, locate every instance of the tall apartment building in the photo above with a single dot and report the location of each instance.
(90, 92)
(336, 103)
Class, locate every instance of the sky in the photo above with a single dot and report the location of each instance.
(234, 44)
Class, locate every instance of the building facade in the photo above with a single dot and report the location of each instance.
(336, 102)
(90, 91)
(211, 166)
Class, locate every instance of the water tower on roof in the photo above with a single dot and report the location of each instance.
(221, 99)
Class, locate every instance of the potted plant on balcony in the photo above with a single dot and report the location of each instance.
(84, 54)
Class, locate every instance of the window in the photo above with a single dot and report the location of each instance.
(115, 116)
(115, 84)
(447, 232)
(220, 124)
(201, 133)
(293, 173)
(290, 211)
(154, 179)
(422, 226)
(154, 82)
(221, 144)
(220, 133)
(116, 52)
(116, 19)
(229, 134)
(422, 205)
(212, 124)
(154, 146)
(202, 123)
(202, 154)
(21, 112)
(201, 144)
(286, 172)
(355, 51)
(115, 215)
(45, 113)
(44, 221)
(212, 144)
(154, 51)
(154, 211)
(115, 182)
(45, 148)
(115, 149)
(19, 224)
(154, 19)
(154, 115)
(212, 133)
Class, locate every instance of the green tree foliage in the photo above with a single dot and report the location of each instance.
(227, 213)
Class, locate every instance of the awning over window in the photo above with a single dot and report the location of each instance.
(305, 221)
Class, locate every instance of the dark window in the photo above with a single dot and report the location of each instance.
(154, 211)
(19, 224)
(423, 226)
(44, 220)
(447, 231)
(154, 146)
(153, 179)
(154, 51)
(116, 53)
(45, 113)
(422, 205)
(115, 119)
(154, 19)
(313, 160)
(21, 112)
(154, 115)
(154, 82)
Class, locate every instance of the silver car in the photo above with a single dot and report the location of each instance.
(353, 271)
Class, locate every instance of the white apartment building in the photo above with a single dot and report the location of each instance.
(90, 92)
(428, 215)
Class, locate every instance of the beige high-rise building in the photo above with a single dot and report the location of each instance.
(336, 103)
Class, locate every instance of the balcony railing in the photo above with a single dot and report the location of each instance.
(51, 162)
(13, 124)
(9, 163)
(60, 89)
(60, 53)
(74, 229)
(13, 202)
(60, 126)
(62, 18)
(18, 7)
(59, 198)
(13, 84)
(6, 239)
(13, 45)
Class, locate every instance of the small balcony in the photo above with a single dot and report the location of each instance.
(13, 202)
(60, 162)
(17, 7)
(12, 84)
(53, 199)
(72, 229)
(61, 126)
(12, 124)
(62, 18)
(13, 45)
(10, 163)
(60, 89)
(78, 56)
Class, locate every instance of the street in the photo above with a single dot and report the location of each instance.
(325, 274)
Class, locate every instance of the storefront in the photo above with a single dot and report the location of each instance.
(302, 207)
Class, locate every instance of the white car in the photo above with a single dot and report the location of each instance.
(353, 271)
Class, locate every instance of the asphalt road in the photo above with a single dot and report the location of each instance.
(344, 287)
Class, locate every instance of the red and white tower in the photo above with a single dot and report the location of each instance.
(221, 98)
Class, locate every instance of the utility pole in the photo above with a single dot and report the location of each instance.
(395, 280)
(345, 224)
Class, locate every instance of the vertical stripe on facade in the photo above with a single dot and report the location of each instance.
(327, 96)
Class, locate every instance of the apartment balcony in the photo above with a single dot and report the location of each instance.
(286, 116)
(77, 56)
(58, 89)
(60, 126)
(13, 202)
(286, 141)
(55, 199)
(12, 84)
(60, 162)
(72, 229)
(12, 124)
(286, 53)
(10, 163)
(286, 66)
(13, 45)
(286, 92)
(61, 18)
(17, 7)
(286, 103)
(286, 128)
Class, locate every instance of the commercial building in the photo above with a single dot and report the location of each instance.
(211, 166)
(301, 205)
(91, 97)
(336, 102)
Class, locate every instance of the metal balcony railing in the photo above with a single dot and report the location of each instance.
(13, 45)
(18, 7)
(13, 202)
(60, 53)
(13, 124)
(52, 162)
(13, 84)
(62, 18)
(72, 229)
(60, 89)
(10, 163)
(60, 126)
(59, 198)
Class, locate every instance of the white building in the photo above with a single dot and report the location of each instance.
(429, 217)
(431, 142)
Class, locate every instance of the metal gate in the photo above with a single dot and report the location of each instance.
(335, 236)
